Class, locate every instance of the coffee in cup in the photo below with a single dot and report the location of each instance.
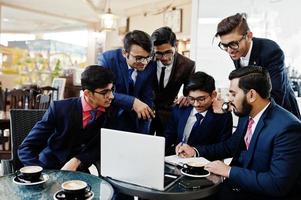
(75, 188)
(195, 168)
(30, 173)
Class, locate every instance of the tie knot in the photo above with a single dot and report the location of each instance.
(130, 70)
(250, 122)
(199, 116)
(93, 114)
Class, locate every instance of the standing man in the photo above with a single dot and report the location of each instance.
(197, 124)
(237, 40)
(132, 107)
(68, 136)
(266, 146)
(172, 71)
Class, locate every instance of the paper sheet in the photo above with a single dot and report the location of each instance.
(176, 160)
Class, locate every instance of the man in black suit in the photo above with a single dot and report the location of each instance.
(173, 70)
(237, 40)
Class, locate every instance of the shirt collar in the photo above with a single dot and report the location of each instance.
(159, 64)
(194, 111)
(244, 61)
(87, 107)
(257, 117)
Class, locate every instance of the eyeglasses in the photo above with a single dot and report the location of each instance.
(105, 92)
(141, 59)
(233, 44)
(199, 100)
(166, 54)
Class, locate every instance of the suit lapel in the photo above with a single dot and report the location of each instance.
(124, 71)
(254, 53)
(183, 120)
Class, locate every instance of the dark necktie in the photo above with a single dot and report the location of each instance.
(197, 124)
(161, 81)
(93, 114)
(131, 81)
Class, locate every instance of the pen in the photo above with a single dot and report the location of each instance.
(181, 144)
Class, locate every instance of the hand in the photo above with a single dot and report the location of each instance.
(185, 151)
(142, 110)
(182, 101)
(219, 168)
(217, 105)
(72, 164)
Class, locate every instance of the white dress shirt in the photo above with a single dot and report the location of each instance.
(167, 71)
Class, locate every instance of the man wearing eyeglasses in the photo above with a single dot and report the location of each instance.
(197, 124)
(132, 107)
(245, 50)
(68, 136)
(172, 70)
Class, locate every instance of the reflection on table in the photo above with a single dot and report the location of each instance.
(12, 191)
(176, 192)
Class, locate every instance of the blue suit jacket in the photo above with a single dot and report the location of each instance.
(58, 137)
(213, 129)
(267, 53)
(122, 116)
(272, 164)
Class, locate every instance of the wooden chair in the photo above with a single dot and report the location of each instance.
(50, 90)
(18, 99)
(43, 101)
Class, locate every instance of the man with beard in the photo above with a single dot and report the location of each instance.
(132, 107)
(245, 50)
(172, 71)
(197, 124)
(68, 136)
(266, 146)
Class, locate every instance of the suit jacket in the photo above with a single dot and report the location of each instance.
(213, 129)
(267, 53)
(181, 70)
(59, 136)
(272, 164)
(122, 116)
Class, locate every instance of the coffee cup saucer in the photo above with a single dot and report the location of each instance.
(185, 172)
(60, 195)
(20, 181)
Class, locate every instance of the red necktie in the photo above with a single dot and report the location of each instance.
(248, 135)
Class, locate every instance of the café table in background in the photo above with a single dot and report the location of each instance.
(175, 192)
(11, 191)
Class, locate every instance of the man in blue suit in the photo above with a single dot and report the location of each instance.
(186, 127)
(237, 40)
(132, 107)
(266, 146)
(68, 136)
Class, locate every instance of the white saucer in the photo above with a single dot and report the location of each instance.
(44, 177)
(91, 195)
(192, 175)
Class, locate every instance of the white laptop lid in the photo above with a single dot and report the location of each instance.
(132, 157)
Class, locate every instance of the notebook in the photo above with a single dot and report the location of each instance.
(134, 158)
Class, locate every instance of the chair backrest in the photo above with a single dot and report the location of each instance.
(50, 90)
(21, 122)
(17, 99)
(43, 101)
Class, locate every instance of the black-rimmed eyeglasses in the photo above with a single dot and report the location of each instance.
(201, 99)
(141, 59)
(166, 54)
(105, 92)
(232, 45)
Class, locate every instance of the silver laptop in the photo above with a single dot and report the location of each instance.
(134, 158)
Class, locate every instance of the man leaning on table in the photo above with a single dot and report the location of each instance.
(266, 146)
(68, 137)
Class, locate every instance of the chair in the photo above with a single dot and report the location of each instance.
(50, 90)
(43, 101)
(17, 99)
(22, 121)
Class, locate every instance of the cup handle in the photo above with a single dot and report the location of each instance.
(88, 188)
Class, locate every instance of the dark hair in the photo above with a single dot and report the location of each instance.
(139, 38)
(164, 35)
(253, 77)
(237, 22)
(96, 76)
(199, 81)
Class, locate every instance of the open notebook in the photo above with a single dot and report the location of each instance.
(134, 158)
(176, 160)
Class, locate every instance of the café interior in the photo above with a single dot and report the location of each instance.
(46, 45)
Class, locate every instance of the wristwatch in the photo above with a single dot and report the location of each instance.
(225, 107)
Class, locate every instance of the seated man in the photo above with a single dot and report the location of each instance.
(266, 146)
(68, 136)
(197, 124)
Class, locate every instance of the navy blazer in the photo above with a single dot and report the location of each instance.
(213, 129)
(58, 137)
(267, 53)
(272, 164)
(122, 116)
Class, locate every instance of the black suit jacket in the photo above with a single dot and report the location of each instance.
(267, 53)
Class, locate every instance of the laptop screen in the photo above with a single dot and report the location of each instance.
(133, 158)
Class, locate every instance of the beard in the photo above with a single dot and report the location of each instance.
(245, 110)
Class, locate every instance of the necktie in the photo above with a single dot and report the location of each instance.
(161, 81)
(93, 114)
(248, 135)
(196, 125)
(131, 81)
